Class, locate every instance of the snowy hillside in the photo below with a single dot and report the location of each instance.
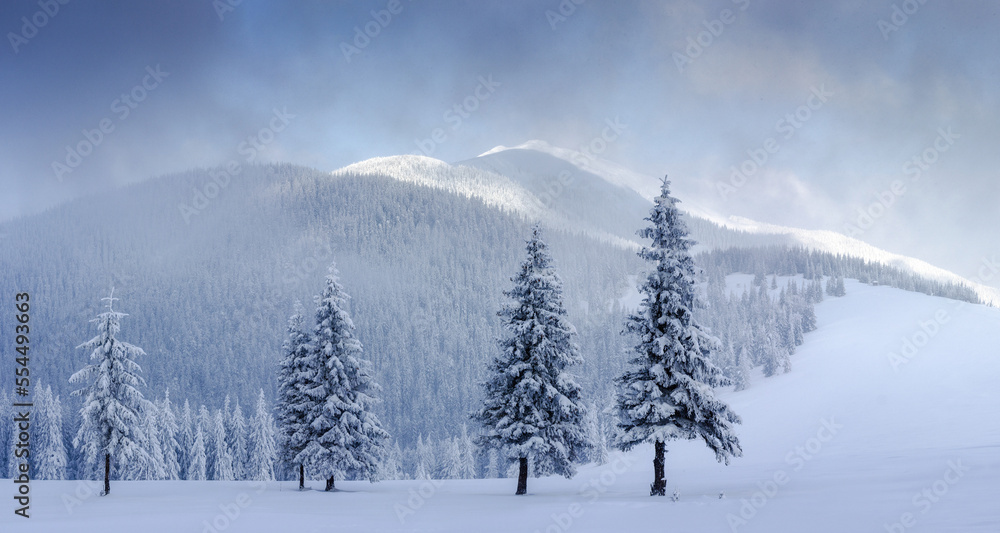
(538, 162)
(887, 423)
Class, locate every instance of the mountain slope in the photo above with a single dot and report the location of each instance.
(534, 164)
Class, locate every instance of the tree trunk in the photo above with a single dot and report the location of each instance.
(522, 476)
(329, 484)
(659, 486)
(302, 477)
(107, 474)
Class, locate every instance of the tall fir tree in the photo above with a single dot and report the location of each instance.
(345, 436)
(168, 439)
(238, 442)
(51, 450)
(222, 469)
(262, 454)
(196, 469)
(294, 373)
(533, 407)
(151, 465)
(186, 439)
(112, 405)
(668, 392)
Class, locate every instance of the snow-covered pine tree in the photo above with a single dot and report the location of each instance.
(293, 403)
(186, 438)
(532, 406)
(168, 439)
(451, 464)
(238, 442)
(223, 465)
(196, 470)
(743, 367)
(112, 405)
(425, 455)
(599, 454)
(668, 393)
(262, 451)
(207, 422)
(52, 458)
(151, 466)
(493, 467)
(468, 450)
(392, 465)
(346, 438)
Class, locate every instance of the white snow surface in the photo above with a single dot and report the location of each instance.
(843, 443)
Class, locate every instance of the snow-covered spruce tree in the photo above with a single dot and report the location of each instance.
(196, 470)
(223, 465)
(532, 406)
(185, 439)
(151, 466)
(112, 404)
(668, 393)
(345, 436)
(52, 458)
(262, 453)
(168, 439)
(238, 442)
(293, 403)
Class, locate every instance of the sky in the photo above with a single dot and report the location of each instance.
(876, 118)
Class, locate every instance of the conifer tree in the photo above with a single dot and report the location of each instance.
(168, 439)
(223, 465)
(293, 402)
(668, 392)
(345, 436)
(112, 405)
(532, 407)
(262, 454)
(51, 450)
(186, 439)
(196, 469)
(238, 442)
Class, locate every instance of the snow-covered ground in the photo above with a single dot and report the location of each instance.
(851, 440)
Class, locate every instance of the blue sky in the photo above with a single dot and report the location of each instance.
(895, 76)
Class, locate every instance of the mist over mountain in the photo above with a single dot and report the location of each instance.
(209, 262)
